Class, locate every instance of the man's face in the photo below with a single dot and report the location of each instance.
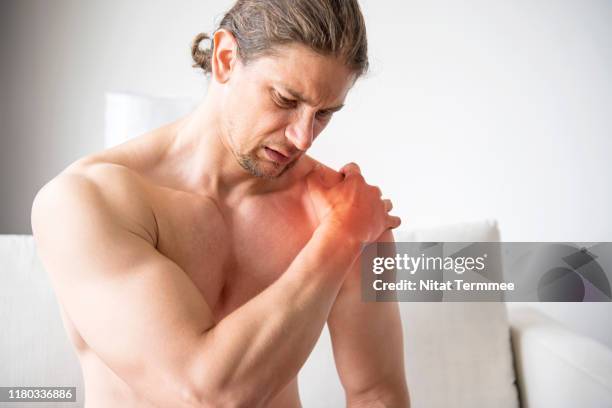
(275, 106)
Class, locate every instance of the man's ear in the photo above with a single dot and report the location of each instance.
(225, 55)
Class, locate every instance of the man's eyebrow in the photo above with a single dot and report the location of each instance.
(298, 96)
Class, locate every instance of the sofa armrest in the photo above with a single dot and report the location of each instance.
(557, 367)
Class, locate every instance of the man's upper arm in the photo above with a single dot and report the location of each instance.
(136, 309)
(368, 346)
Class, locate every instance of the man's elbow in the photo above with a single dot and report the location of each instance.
(214, 392)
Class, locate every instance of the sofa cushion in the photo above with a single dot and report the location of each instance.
(459, 353)
(34, 348)
(128, 115)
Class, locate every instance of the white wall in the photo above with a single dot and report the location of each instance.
(473, 109)
(488, 109)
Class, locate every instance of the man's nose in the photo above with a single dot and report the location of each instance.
(301, 132)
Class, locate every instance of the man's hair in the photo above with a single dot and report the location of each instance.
(329, 27)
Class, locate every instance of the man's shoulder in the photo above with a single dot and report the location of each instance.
(89, 189)
(115, 184)
(310, 164)
(330, 175)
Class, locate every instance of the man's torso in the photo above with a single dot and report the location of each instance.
(230, 250)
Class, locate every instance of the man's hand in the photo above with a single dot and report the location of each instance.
(350, 204)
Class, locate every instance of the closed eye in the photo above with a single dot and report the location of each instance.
(283, 102)
(325, 114)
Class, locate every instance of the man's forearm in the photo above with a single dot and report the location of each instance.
(253, 352)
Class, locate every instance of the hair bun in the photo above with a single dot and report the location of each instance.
(201, 57)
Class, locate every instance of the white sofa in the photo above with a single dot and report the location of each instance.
(457, 354)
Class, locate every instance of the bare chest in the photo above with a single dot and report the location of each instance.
(233, 254)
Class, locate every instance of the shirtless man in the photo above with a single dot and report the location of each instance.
(196, 265)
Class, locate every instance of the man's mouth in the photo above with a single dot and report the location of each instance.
(276, 156)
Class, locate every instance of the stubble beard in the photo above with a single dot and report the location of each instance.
(254, 166)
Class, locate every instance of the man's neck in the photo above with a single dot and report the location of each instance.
(199, 154)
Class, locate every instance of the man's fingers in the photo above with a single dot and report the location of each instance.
(388, 205)
(394, 221)
(351, 168)
(330, 177)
